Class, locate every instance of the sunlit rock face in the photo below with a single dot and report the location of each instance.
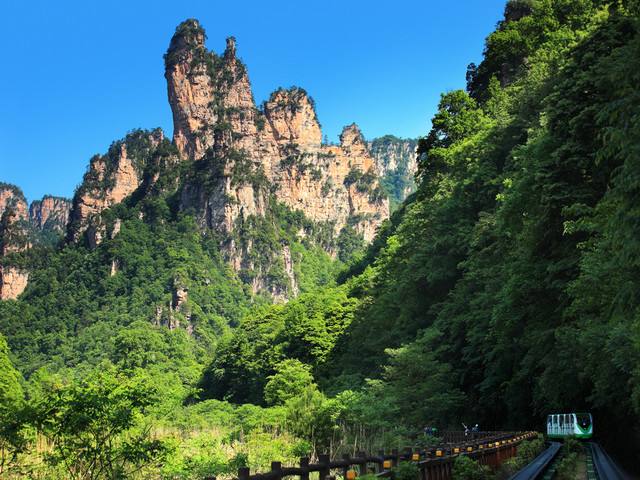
(109, 180)
(50, 214)
(215, 116)
(14, 239)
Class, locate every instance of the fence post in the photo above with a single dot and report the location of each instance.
(396, 458)
(243, 473)
(362, 464)
(380, 464)
(345, 469)
(323, 460)
(276, 470)
(304, 465)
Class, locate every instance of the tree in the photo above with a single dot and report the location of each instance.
(11, 402)
(97, 429)
(292, 377)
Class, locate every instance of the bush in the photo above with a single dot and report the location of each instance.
(465, 468)
(406, 471)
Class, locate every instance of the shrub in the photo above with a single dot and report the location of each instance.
(465, 468)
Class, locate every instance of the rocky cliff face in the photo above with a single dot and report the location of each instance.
(12, 198)
(14, 239)
(396, 165)
(50, 214)
(13, 281)
(232, 166)
(276, 150)
(109, 180)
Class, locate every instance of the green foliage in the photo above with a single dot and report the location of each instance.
(11, 403)
(349, 243)
(465, 468)
(305, 329)
(397, 182)
(527, 452)
(11, 393)
(96, 430)
(503, 288)
(406, 471)
(75, 308)
(291, 379)
(512, 249)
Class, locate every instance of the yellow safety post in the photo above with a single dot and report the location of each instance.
(438, 453)
(456, 450)
(351, 474)
(469, 449)
(415, 457)
(386, 464)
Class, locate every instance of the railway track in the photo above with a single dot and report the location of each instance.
(600, 466)
(541, 464)
(604, 467)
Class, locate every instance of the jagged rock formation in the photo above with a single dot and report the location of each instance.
(50, 214)
(396, 165)
(13, 282)
(14, 239)
(231, 165)
(216, 120)
(11, 197)
(22, 226)
(110, 179)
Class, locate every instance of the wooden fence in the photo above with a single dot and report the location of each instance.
(433, 463)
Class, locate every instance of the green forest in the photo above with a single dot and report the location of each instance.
(506, 287)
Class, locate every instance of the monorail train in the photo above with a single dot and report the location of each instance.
(561, 425)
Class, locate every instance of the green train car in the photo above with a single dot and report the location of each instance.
(562, 425)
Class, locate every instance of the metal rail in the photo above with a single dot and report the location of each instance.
(605, 467)
(539, 465)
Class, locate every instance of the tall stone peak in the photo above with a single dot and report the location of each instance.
(352, 140)
(233, 165)
(13, 201)
(189, 36)
(291, 114)
(50, 213)
(278, 148)
(110, 179)
(14, 239)
(230, 51)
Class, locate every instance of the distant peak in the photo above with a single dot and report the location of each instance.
(230, 51)
(189, 35)
(351, 135)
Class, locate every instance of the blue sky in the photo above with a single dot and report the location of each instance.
(77, 75)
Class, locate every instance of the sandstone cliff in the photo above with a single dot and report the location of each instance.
(233, 166)
(216, 119)
(12, 198)
(50, 214)
(247, 158)
(109, 180)
(14, 239)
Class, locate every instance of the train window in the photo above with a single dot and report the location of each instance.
(584, 420)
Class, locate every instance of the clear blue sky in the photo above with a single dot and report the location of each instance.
(77, 75)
